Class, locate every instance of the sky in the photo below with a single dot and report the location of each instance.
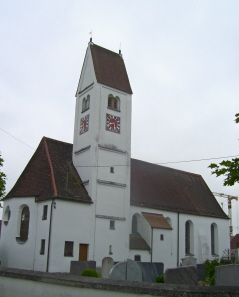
(182, 61)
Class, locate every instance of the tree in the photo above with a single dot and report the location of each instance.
(2, 180)
(230, 169)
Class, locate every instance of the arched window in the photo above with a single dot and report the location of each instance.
(86, 103)
(7, 215)
(134, 224)
(24, 228)
(214, 239)
(189, 238)
(114, 102)
(169, 221)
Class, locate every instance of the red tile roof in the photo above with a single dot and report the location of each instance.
(164, 188)
(137, 243)
(50, 173)
(235, 242)
(110, 69)
(156, 220)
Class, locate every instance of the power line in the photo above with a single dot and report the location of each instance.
(198, 160)
(163, 163)
(17, 139)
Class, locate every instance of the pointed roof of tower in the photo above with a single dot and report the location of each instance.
(110, 69)
(50, 174)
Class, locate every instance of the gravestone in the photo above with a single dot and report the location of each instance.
(151, 270)
(227, 275)
(201, 268)
(189, 261)
(107, 264)
(77, 267)
(181, 276)
(128, 270)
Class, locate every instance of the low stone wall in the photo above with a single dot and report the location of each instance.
(24, 283)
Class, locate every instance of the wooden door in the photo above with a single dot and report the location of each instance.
(83, 248)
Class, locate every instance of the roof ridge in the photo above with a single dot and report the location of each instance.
(106, 49)
(59, 141)
(51, 167)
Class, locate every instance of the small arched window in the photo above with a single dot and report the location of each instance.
(214, 239)
(134, 224)
(189, 238)
(169, 221)
(86, 103)
(7, 215)
(114, 102)
(24, 228)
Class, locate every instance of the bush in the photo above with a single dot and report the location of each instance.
(89, 273)
(160, 279)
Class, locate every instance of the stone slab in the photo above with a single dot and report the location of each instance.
(134, 272)
(189, 261)
(150, 270)
(77, 267)
(107, 265)
(181, 276)
(128, 270)
(227, 275)
(201, 268)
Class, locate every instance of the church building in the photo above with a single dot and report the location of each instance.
(91, 200)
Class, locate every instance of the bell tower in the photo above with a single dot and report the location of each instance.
(102, 149)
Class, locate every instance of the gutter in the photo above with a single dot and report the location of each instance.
(152, 233)
(178, 242)
(49, 237)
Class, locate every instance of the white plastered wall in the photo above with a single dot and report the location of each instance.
(171, 250)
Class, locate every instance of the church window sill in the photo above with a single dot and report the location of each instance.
(113, 109)
(20, 240)
(85, 110)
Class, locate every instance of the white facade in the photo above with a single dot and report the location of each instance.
(102, 159)
(171, 248)
(95, 154)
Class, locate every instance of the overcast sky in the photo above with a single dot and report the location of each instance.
(183, 64)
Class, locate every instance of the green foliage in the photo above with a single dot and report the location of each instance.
(160, 279)
(89, 273)
(2, 180)
(237, 118)
(210, 268)
(230, 169)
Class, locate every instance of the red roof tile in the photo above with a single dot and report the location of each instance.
(164, 188)
(235, 242)
(50, 173)
(110, 69)
(138, 243)
(156, 220)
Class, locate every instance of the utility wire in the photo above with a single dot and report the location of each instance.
(171, 162)
(17, 139)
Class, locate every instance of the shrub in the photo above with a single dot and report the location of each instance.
(160, 279)
(89, 273)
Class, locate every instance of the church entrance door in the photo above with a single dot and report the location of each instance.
(83, 248)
